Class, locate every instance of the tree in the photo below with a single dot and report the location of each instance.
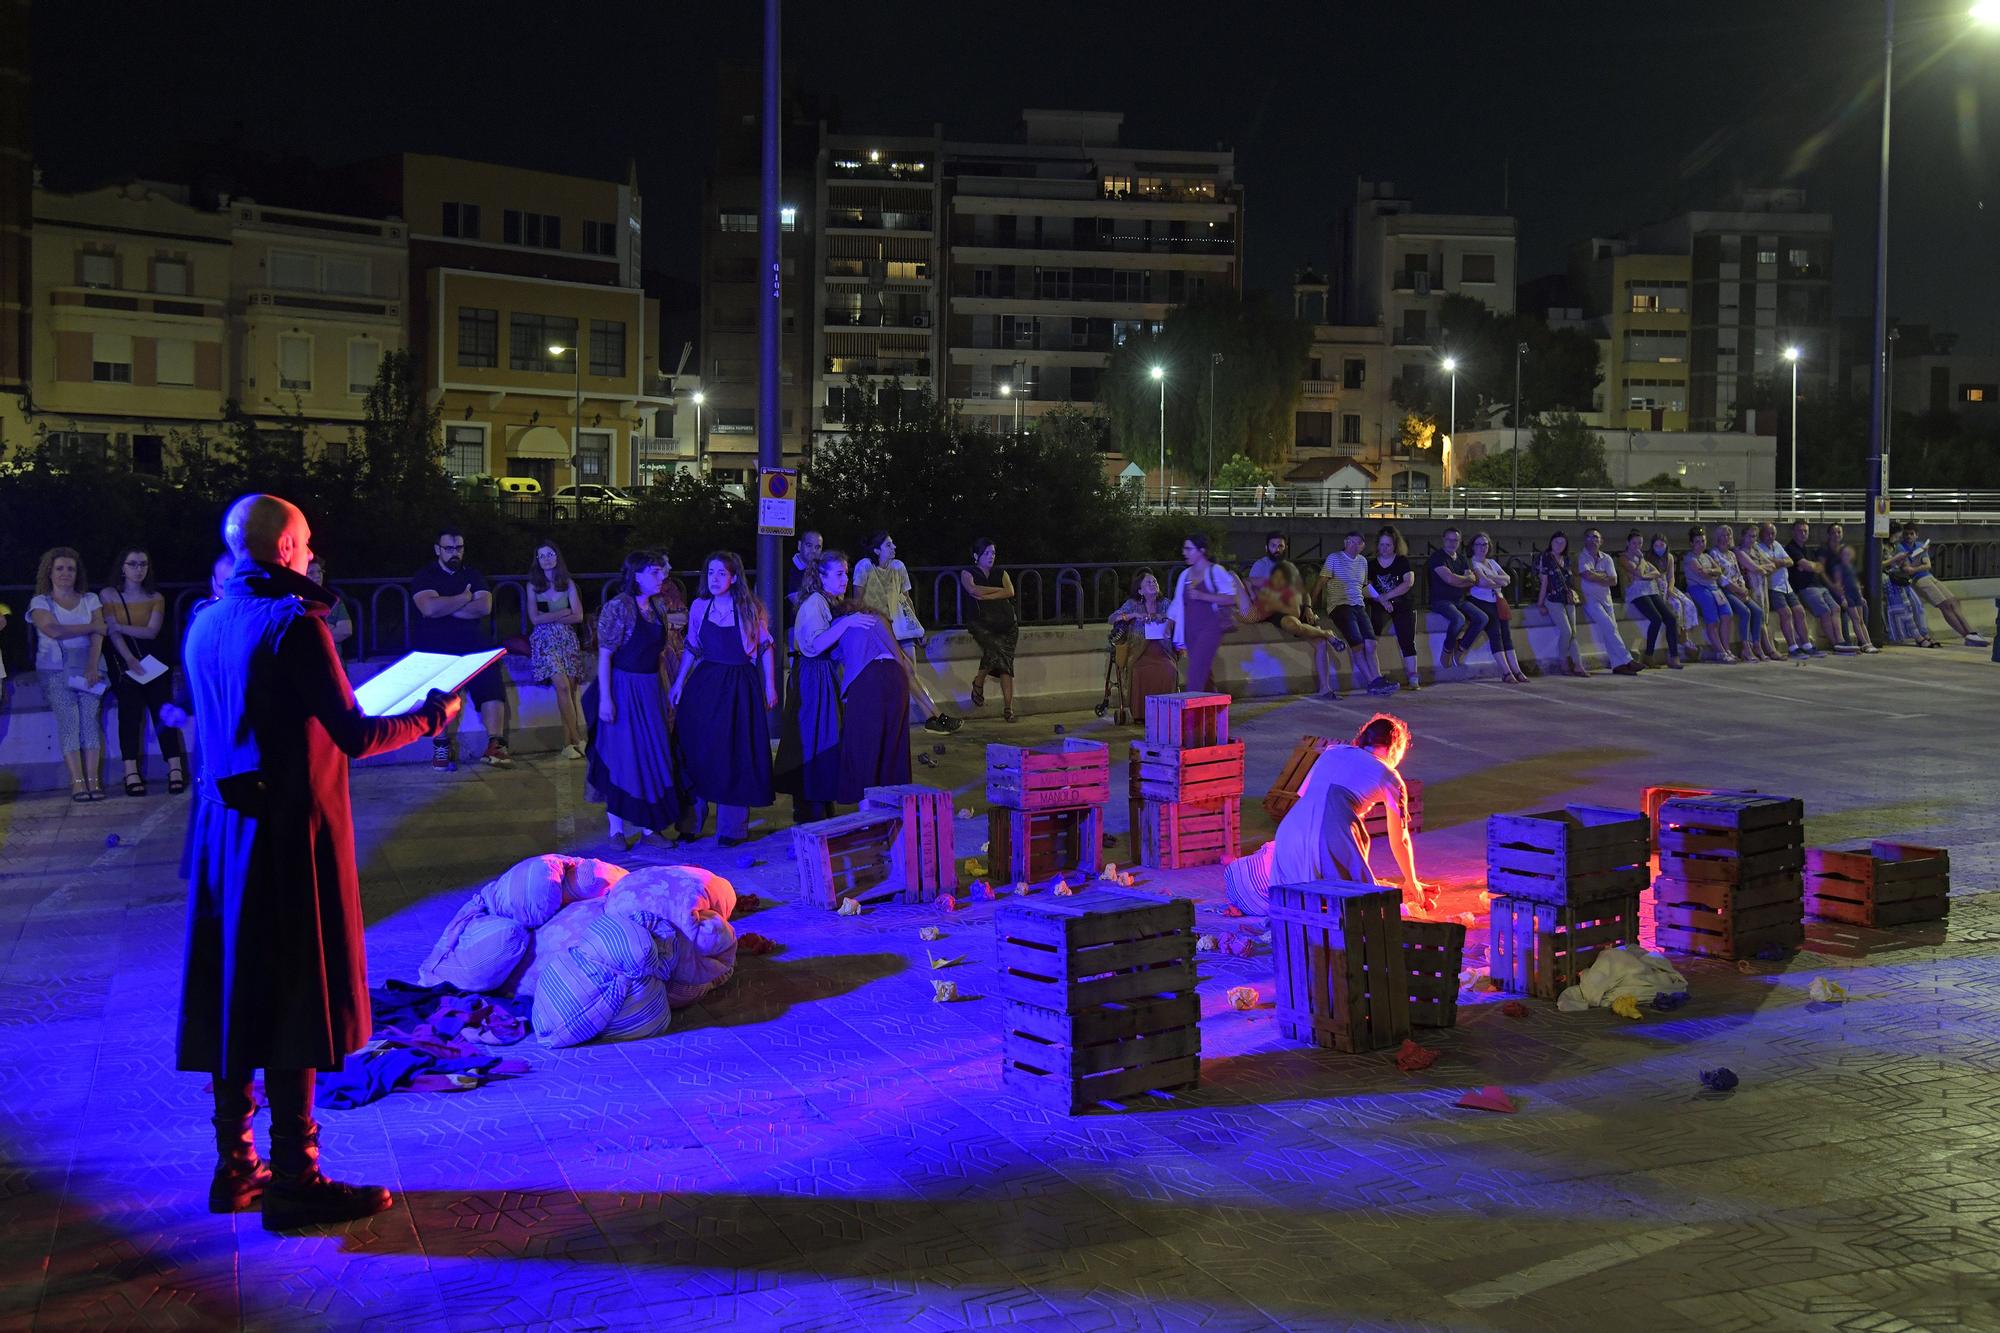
(401, 441)
(1560, 452)
(1257, 385)
(1239, 474)
(1559, 372)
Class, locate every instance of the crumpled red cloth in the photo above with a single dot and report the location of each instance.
(1411, 1057)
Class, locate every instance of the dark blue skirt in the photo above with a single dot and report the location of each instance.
(725, 734)
(631, 768)
(809, 740)
(875, 730)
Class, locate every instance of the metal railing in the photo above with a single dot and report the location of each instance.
(1820, 506)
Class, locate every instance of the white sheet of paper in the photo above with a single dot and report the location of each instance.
(1156, 629)
(149, 668)
(403, 685)
(78, 684)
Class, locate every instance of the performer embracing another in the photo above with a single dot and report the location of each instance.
(1325, 835)
(809, 742)
(277, 975)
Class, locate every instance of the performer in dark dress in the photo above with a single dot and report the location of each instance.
(631, 767)
(809, 748)
(276, 976)
(995, 626)
(723, 700)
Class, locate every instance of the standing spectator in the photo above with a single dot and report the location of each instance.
(69, 649)
(1451, 575)
(1749, 615)
(881, 583)
(1345, 575)
(995, 628)
(724, 717)
(1642, 594)
(1597, 575)
(809, 750)
(1391, 596)
(339, 624)
(1786, 608)
(555, 609)
(1209, 598)
(1756, 568)
(1490, 588)
(452, 604)
(134, 616)
(1704, 578)
(1557, 599)
(218, 579)
(803, 561)
(1809, 581)
(631, 754)
(1275, 547)
(1912, 554)
(1151, 668)
(1838, 559)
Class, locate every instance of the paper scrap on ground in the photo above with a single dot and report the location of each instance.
(937, 962)
(1243, 997)
(1063, 891)
(1625, 1007)
(1204, 944)
(1823, 991)
(751, 942)
(1411, 1057)
(850, 907)
(1514, 1009)
(931, 933)
(1492, 1097)
(944, 991)
(947, 902)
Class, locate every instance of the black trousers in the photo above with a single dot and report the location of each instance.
(136, 703)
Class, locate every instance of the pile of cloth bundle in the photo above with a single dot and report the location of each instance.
(604, 953)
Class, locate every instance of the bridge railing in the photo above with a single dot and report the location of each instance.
(1573, 503)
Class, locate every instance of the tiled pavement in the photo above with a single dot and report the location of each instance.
(818, 1146)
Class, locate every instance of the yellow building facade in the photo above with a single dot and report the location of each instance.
(1646, 361)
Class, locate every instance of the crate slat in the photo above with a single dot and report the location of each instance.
(1732, 869)
(1203, 773)
(1187, 719)
(1702, 944)
(1178, 835)
(1038, 845)
(1342, 982)
(1867, 888)
(849, 857)
(1064, 772)
(922, 858)
(1741, 811)
(1433, 955)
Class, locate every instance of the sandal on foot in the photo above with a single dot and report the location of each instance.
(1007, 715)
(135, 785)
(176, 781)
(979, 694)
(79, 790)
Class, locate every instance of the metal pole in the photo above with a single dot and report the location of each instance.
(770, 417)
(1514, 501)
(1795, 435)
(1208, 479)
(576, 439)
(1451, 436)
(1163, 441)
(1878, 452)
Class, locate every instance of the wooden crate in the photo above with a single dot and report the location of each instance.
(1342, 982)
(850, 857)
(1577, 854)
(1735, 812)
(923, 855)
(1890, 884)
(1541, 949)
(1036, 845)
(1104, 1053)
(1376, 821)
(1100, 946)
(1045, 777)
(1719, 919)
(1204, 773)
(1652, 798)
(1433, 954)
(1187, 720)
(1176, 835)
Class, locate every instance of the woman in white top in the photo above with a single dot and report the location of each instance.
(882, 584)
(1205, 598)
(1642, 595)
(1748, 608)
(1325, 835)
(1490, 586)
(1757, 569)
(69, 655)
(555, 609)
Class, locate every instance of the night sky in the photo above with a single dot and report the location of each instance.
(1590, 117)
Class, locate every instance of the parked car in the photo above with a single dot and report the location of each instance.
(593, 496)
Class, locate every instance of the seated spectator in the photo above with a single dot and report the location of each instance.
(1556, 596)
(1643, 580)
(1281, 602)
(1344, 579)
(1756, 569)
(1704, 580)
(1809, 582)
(1450, 573)
(1846, 587)
(1736, 589)
(1392, 596)
(69, 656)
(1676, 601)
(1597, 576)
(1903, 609)
(1147, 665)
(1274, 555)
(1786, 608)
(1490, 589)
(1912, 554)
(134, 620)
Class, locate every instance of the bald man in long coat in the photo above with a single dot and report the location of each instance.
(277, 975)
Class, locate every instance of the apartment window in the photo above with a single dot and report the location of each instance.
(593, 457)
(1668, 345)
(529, 338)
(1132, 285)
(983, 283)
(1350, 428)
(600, 238)
(1414, 330)
(170, 277)
(1312, 430)
(1800, 258)
(912, 270)
(736, 219)
(173, 362)
(111, 358)
(462, 220)
(363, 356)
(1978, 393)
(1353, 372)
(295, 362)
(1767, 256)
(1054, 283)
(97, 269)
(735, 421)
(290, 269)
(478, 338)
(464, 450)
(1475, 268)
(1117, 187)
(607, 348)
(346, 275)
(542, 230)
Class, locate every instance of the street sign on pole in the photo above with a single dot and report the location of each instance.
(777, 501)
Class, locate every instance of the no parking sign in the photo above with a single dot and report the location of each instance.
(777, 501)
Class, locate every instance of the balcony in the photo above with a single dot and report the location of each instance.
(1413, 337)
(1212, 243)
(883, 366)
(654, 447)
(870, 220)
(1319, 388)
(839, 318)
(1422, 281)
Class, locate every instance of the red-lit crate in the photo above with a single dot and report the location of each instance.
(923, 855)
(1541, 949)
(1035, 845)
(1890, 884)
(1177, 835)
(1343, 981)
(1187, 720)
(1434, 955)
(1168, 773)
(1046, 777)
(1716, 919)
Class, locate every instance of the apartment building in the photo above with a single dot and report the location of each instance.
(1064, 243)
(1929, 369)
(539, 345)
(878, 273)
(317, 300)
(17, 199)
(129, 338)
(1640, 307)
(1344, 411)
(1760, 275)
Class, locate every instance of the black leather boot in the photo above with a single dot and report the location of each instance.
(240, 1177)
(298, 1195)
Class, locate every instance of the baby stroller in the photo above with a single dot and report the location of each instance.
(1117, 673)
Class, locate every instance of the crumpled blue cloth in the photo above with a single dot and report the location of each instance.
(372, 1075)
(1666, 1001)
(1718, 1080)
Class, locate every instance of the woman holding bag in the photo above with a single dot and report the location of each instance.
(134, 613)
(1491, 589)
(1557, 599)
(1209, 599)
(882, 584)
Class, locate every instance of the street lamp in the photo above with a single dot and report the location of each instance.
(576, 437)
(1159, 374)
(1450, 368)
(700, 449)
(1007, 391)
(1520, 351)
(1792, 355)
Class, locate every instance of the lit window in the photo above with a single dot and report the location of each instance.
(788, 217)
(1767, 256)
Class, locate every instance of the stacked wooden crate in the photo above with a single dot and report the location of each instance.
(1284, 793)
(1047, 808)
(1343, 978)
(1731, 875)
(1100, 996)
(1433, 955)
(1889, 884)
(922, 857)
(1186, 783)
(896, 848)
(1566, 886)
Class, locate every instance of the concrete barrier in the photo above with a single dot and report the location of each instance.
(1058, 670)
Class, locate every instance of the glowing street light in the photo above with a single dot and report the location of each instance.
(1159, 374)
(1792, 355)
(576, 438)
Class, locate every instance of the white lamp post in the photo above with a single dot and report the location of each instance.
(1451, 369)
(576, 436)
(1160, 377)
(1792, 355)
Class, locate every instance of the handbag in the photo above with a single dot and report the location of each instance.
(905, 625)
(1502, 608)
